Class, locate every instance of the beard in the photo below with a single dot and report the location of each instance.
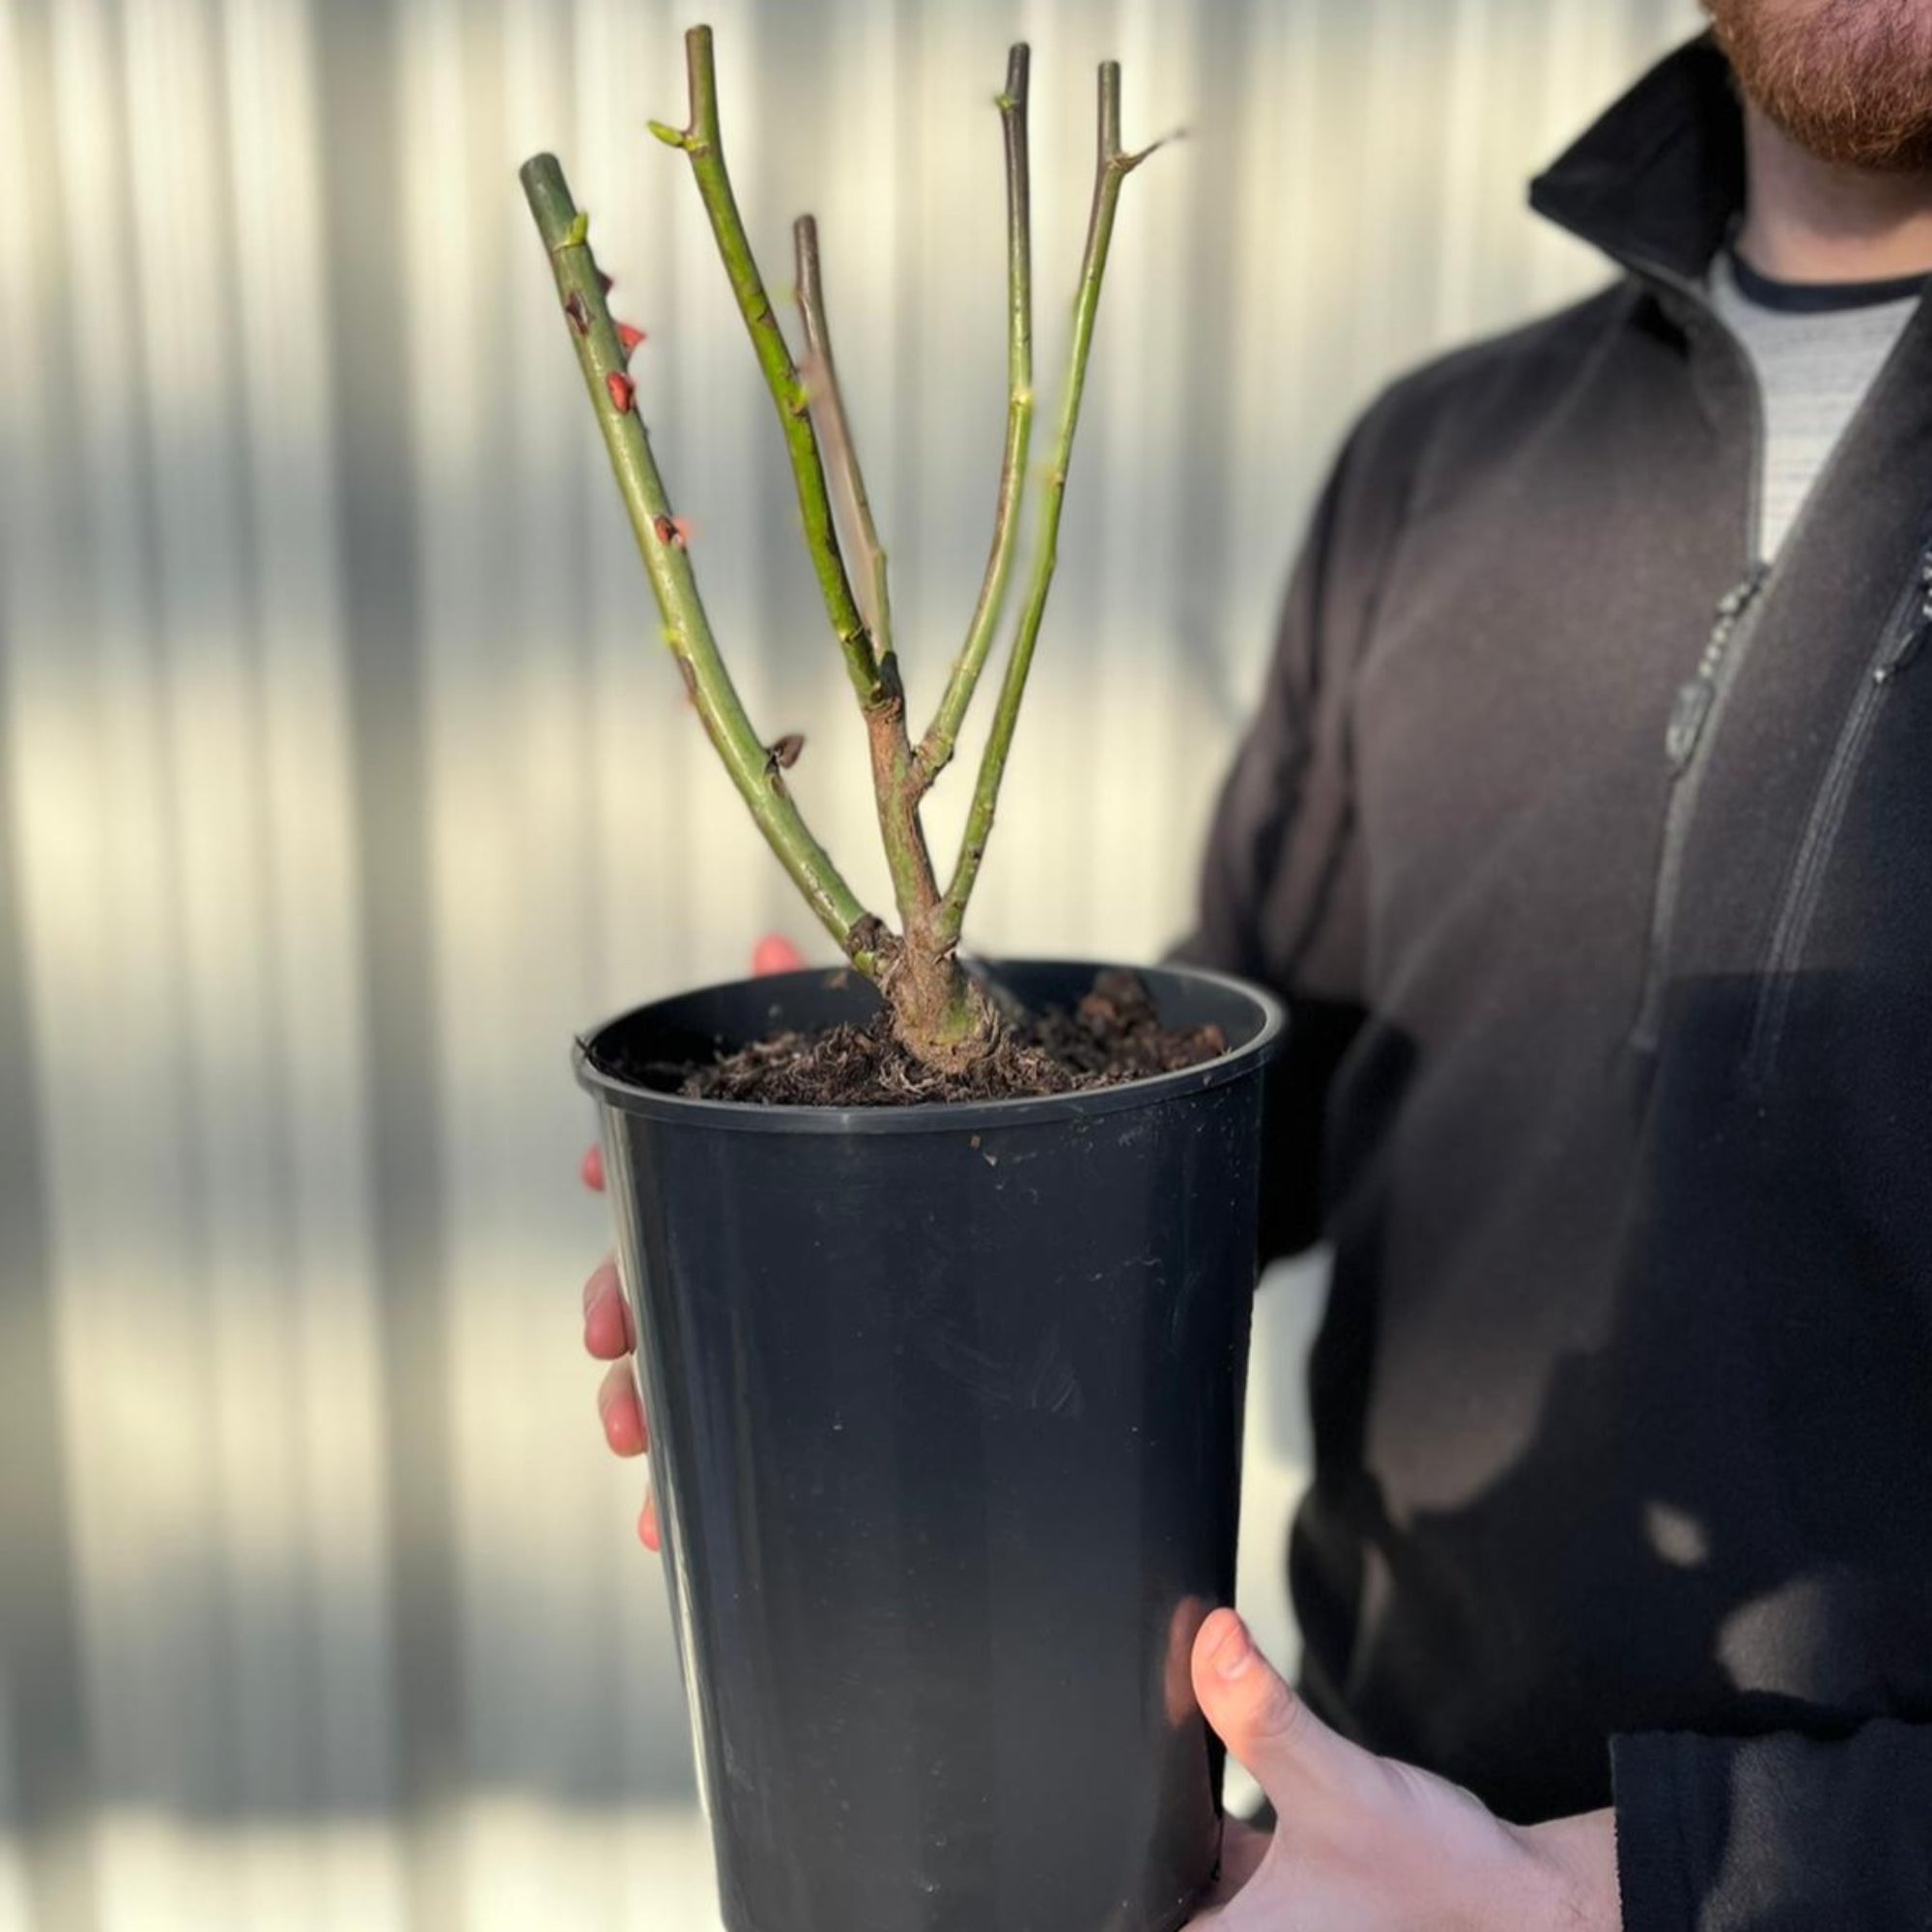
(1849, 80)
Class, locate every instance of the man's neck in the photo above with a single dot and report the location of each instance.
(1807, 221)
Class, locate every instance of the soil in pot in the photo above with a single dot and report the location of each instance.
(1114, 1033)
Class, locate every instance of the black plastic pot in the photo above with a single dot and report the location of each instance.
(946, 1417)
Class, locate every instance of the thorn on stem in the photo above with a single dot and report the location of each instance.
(622, 392)
(672, 530)
(1125, 164)
(605, 282)
(579, 311)
(629, 338)
(782, 756)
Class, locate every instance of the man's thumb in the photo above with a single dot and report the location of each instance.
(1261, 1720)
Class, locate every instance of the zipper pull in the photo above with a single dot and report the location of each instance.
(1691, 708)
(1918, 631)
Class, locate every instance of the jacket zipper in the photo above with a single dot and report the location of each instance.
(1901, 640)
(1696, 710)
(1700, 706)
(1693, 714)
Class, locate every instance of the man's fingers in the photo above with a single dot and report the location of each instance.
(1242, 1850)
(775, 953)
(1222, 1910)
(1267, 1726)
(622, 1413)
(606, 1317)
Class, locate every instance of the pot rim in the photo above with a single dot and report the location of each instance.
(939, 1116)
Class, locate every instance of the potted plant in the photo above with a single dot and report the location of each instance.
(942, 1279)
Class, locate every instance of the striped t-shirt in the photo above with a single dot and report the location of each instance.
(1816, 348)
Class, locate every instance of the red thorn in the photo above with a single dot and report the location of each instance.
(622, 389)
(605, 281)
(579, 312)
(674, 530)
(629, 338)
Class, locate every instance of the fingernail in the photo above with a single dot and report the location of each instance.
(1236, 1650)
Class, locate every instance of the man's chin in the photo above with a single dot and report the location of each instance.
(1850, 81)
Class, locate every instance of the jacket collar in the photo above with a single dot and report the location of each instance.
(1657, 181)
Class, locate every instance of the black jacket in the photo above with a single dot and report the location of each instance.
(1599, 873)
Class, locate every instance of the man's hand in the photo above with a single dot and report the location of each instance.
(606, 1319)
(1365, 1844)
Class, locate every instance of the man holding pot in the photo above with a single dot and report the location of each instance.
(1587, 826)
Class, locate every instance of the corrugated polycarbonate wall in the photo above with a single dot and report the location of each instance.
(345, 777)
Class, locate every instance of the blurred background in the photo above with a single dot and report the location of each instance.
(345, 779)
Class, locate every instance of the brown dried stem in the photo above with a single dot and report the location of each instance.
(820, 370)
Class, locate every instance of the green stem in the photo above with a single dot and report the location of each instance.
(935, 751)
(1112, 168)
(705, 144)
(686, 630)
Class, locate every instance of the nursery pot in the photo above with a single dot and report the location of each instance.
(946, 1420)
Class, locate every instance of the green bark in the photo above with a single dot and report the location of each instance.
(935, 750)
(1112, 168)
(686, 630)
(702, 143)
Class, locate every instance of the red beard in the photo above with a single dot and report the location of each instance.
(1849, 80)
